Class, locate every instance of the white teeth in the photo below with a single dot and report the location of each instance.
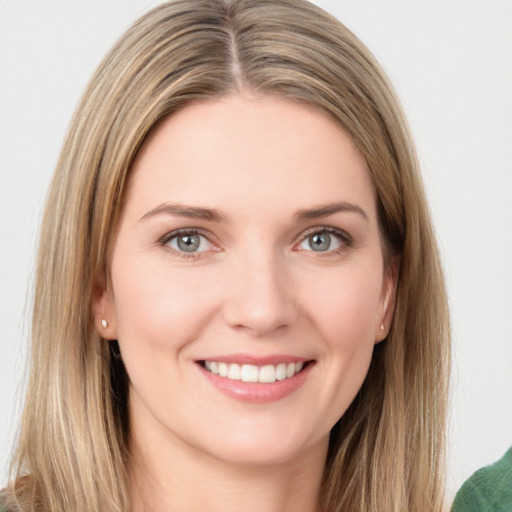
(249, 373)
(281, 371)
(234, 372)
(267, 373)
(223, 369)
(252, 373)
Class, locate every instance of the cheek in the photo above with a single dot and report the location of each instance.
(156, 306)
(159, 312)
(344, 314)
(345, 308)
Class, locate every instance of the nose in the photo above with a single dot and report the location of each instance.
(260, 296)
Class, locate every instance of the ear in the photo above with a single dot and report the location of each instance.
(388, 299)
(104, 313)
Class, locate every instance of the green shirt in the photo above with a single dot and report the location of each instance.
(488, 490)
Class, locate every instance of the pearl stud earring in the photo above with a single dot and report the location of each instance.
(104, 324)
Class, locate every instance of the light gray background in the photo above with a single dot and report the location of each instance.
(451, 62)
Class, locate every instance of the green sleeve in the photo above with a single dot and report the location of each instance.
(488, 490)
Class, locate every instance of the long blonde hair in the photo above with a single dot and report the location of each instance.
(387, 452)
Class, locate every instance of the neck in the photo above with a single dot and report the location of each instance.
(177, 479)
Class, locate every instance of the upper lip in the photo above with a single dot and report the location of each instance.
(256, 360)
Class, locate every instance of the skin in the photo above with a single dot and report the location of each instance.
(255, 287)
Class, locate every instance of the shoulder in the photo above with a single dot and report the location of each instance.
(489, 489)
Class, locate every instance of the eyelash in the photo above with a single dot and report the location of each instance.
(345, 239)
(168, 237)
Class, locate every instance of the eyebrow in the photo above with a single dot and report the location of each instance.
(214, 215)
(179, 210)
(330, 209)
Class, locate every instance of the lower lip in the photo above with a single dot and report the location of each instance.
(257, 392)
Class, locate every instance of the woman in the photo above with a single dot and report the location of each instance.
(239, 301)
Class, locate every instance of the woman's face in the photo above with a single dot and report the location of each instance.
(248, 285)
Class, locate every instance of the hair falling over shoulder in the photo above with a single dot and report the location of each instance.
(387, 452)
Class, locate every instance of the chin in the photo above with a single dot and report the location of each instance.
(264, 450)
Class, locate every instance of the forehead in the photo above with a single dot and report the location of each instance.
(250, 153)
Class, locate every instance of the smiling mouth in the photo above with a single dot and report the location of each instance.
(252, 373)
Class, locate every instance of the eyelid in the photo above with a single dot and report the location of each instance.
(181, 231)
(345, 238)
(165, 239)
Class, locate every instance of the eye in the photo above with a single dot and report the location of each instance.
(187, 242)
(325, 240)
